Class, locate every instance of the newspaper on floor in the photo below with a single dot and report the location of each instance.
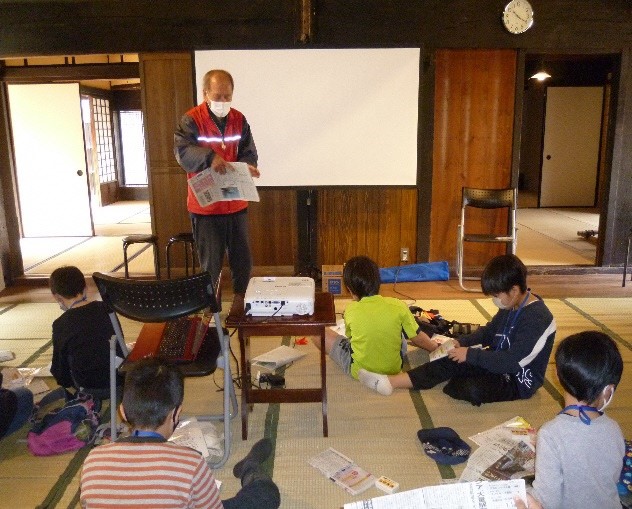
(515, 435)
(14, 378)
(471, 495)
(210, 186)
(189, 434)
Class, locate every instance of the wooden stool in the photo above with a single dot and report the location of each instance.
(189, 247)
(627, 256)
(141, 239)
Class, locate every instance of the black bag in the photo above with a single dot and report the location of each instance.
(431, 322)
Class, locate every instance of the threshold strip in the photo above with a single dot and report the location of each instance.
(446, 471)
(271, 427)
(26, 269)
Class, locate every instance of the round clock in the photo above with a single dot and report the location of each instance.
(518, 16)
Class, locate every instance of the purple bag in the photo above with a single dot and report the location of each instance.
(64, 429)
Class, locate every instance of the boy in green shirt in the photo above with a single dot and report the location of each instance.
(373, 325)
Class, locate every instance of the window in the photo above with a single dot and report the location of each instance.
(133, 148)
(104, 144)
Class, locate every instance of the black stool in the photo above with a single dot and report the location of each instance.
(141, 239)
(189, 247)
(627, 256)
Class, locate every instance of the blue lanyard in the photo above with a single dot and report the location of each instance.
(508, 328)
(147, 434)
(582, 409)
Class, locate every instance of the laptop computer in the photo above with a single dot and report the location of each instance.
(175, 341)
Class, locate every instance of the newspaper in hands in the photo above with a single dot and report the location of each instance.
(210, 186)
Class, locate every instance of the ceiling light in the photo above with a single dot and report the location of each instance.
(541, 76)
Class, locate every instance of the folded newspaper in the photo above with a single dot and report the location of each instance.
(210, 186)
(278, 357)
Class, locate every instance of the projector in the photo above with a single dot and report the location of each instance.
(279, 296)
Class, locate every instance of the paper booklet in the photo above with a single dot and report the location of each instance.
(471, 495)
(343, 471)
(445, 345)
(210, 186)
(278, 357)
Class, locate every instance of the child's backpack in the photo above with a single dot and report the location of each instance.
(64, 429)
(431, 322)
(624, 486)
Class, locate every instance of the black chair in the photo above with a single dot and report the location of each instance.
(150, 301)
(486, 199)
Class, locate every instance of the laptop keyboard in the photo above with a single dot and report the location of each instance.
(174, 340)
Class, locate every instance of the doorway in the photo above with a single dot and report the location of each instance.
(561, 188)
(112, 205)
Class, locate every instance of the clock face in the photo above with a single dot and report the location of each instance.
(518, 16)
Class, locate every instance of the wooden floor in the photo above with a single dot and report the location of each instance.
(547, 286)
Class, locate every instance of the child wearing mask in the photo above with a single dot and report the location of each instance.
(512, 350)
(579, 453)
(81, 349)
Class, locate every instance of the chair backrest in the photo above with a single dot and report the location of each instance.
(157, 300)
(489, 198)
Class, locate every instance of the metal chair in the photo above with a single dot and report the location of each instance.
(141, 239)
(486, 199)
(150, 301)
(189, 249)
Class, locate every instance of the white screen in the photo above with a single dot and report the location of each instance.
(326, 117)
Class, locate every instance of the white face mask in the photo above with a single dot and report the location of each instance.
(499, 303)
(606, 403)
(219, 109)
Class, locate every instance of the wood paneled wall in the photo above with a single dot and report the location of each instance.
(375, 222)
(473, 130)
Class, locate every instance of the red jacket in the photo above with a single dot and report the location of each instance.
(225, 146)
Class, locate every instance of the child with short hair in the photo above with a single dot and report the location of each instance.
(81, 335)
(579, 453)
(512, 350)
(145, 470)
(373, 325)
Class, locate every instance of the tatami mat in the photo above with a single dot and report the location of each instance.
(102, 254)
(378, 432)
(549, 236)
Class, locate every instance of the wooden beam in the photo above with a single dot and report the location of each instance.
(71, 72)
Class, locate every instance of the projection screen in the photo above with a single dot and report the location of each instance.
(326, 117)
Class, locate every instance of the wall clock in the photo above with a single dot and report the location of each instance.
(518, 16)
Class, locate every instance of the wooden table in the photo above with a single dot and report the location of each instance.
(308, 325)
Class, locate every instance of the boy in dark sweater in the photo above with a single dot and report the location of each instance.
(515, 346)
(81, 350)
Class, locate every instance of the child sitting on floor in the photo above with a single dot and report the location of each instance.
(81, 349)
(373, 325)
(514, 346)
(144, 470)
(579, 453)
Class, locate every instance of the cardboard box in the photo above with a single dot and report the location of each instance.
(332, 280)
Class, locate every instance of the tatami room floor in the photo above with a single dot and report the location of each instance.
(378, 433)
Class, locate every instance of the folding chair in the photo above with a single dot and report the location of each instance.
(150, 301)
(486, 199)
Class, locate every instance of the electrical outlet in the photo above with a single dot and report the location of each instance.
(403, 254)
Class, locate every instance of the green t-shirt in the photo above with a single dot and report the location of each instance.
(374, 326)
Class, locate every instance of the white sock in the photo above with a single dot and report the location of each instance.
(376, 382)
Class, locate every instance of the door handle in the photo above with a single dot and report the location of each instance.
(79, 172)
(548, 157)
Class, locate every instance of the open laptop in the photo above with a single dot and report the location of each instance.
(176, 341)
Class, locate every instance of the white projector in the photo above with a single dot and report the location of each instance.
(279, 296)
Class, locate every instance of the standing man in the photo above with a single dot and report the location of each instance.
(213, 135)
